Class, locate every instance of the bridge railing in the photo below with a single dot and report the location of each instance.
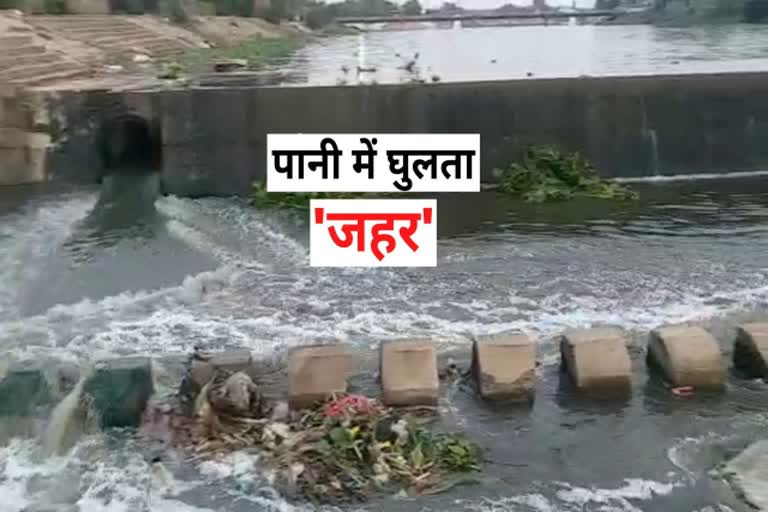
(477, 16)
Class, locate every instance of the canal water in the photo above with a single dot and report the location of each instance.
(117, 270)
(90, 273)
(498, 53)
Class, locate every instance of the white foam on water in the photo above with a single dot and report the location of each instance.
(693, 177)
(577, 499)
(29, 235)
(683, 451)
(93, 477)
(246, 302)
(20, 462)
(238, 465)
(90, 329)
(170, 321)
(261, 240)
(262, 298)
(97, 477)
(634, 489)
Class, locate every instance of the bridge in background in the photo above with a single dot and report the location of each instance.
(468, 15)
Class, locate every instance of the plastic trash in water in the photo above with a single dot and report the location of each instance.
(684, 391)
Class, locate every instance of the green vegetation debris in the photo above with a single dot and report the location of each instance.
(348, 449)
(260, 198)
(170, 71)
(547, 174)
(258, 52)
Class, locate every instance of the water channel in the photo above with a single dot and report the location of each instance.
(93, 272)
(498, 53)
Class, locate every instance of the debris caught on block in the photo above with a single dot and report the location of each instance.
(346, 448)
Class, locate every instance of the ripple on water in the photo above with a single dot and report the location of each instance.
(697, 259)
(561, 51)
(263, 295)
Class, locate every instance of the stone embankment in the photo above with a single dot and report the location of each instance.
(29, 58)
(39, 50)
(42, 57)
(87, 51)
(118, 35)
(595, 361)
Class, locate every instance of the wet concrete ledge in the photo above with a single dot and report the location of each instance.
(214, 138)
(595, 364)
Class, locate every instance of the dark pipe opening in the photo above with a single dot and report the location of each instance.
(130, 143)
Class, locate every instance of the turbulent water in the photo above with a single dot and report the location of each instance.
(93, 273)
(86, 274)
(498, 53)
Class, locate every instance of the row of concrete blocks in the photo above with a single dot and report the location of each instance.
(503, 365)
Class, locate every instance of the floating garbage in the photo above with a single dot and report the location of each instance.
(684, 391)
(347, 449)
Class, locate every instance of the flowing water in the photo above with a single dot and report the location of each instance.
(91, 273)
(499, 53)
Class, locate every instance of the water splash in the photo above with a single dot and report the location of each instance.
(70, 419)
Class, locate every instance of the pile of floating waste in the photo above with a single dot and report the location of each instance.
(346, 449)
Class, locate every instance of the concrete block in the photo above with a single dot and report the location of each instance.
(747, 473)
(231, 361)
(504, 366)
(23, 389)
(687, 356)
(317, 372)
(409, 373)
(18, 138)
(120, 389)
(22, 165)
(750, 350)
(597, 359)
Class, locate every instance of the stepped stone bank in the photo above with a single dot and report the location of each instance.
(502, 368)
(212, 140)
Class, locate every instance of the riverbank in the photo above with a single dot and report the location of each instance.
(676, 17)
(254, 53)
(258, 51)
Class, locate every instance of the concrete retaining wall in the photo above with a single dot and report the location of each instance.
(24, 137)
(214, 139)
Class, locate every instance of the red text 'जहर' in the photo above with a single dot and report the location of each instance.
(353, 231)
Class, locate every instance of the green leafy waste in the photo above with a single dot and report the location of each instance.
(547, 174)
(299, 200)
(365, 448)
(345, 450)
(259, 52)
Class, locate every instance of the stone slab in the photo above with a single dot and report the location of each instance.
(17, 138)
(232, 361)
(120, 389)
(316, 373)
(750, 350)
(504, 366)
(409, 373)
(748, 474)
(687, 356)
(14, 167)
(597, 359)
(23, 389)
